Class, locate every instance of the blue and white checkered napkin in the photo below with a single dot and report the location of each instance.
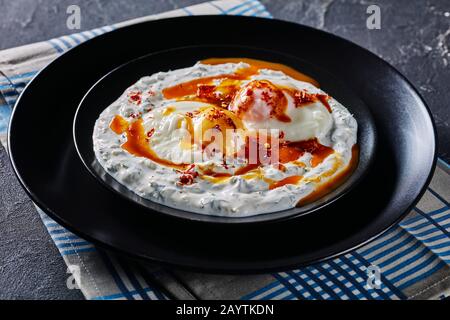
(413, 258)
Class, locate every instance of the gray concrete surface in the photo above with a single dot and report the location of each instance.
(414, 37)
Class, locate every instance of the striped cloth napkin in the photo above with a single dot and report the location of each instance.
(413, 258)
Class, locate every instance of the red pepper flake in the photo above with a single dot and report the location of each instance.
(135, 115)
(187, 177)
(302, 98)
(191, 169)
(266, 97)
(151, 132)
(281, 135)
(324, 99)
(135, 97)
(151, 93)
(205, 89)
(209, 93)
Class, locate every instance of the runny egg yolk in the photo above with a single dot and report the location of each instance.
(258, 101)
(213, 120)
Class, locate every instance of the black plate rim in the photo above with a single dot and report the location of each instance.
(233, 270)
(341, 190)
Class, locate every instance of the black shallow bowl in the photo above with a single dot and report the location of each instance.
(46, 162)
(110, 87)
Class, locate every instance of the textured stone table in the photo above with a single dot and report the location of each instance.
(414, 37)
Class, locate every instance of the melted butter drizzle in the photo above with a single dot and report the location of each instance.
(256, 65)
(337, 180)
(203, 89)
(285, 181)
(138, 143)
(303, 98)
(190, 88)
(119, 125)
(291, 151)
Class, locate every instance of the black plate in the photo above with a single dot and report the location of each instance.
(45, 160)
(110, 87)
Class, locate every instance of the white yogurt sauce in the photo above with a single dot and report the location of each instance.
(237, 196)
